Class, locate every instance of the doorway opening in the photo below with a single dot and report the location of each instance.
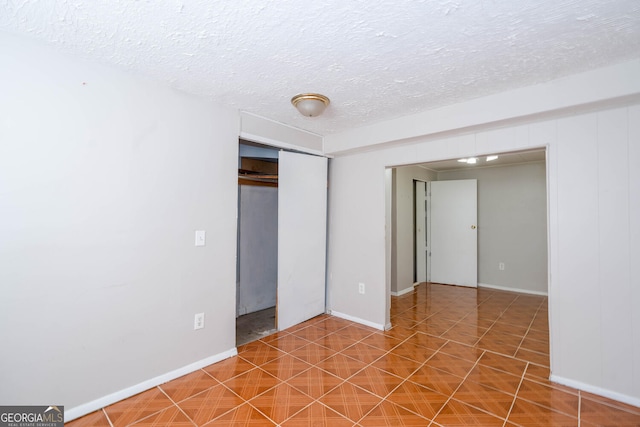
(257, 245)
(511, 222)
(281, 258)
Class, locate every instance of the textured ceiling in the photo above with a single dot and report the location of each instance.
(375, 59)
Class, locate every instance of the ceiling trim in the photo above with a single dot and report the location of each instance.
(607, 86)
(270, 132)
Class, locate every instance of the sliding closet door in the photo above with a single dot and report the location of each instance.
(302, 237)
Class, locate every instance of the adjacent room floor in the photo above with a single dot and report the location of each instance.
(455, 356)
(256, 325)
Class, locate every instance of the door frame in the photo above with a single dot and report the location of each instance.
(421, 234)
(281, 145)
(389, 208)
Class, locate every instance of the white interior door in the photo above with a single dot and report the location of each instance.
(421, 231)
(302, 232)
(454, 237)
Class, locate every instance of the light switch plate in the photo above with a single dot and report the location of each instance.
(201, 237)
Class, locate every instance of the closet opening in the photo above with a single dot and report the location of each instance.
(257, 253)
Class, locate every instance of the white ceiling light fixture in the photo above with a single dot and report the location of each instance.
(491, 158)
(310, 104)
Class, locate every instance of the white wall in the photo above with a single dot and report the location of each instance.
(594, 223)
(512, 224)
(403, 258)
(594, 220)
(357, 211)
(258, 259)
(103, 179)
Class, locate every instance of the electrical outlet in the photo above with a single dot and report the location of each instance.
(198, 321)
(501, 266)
(361, 288)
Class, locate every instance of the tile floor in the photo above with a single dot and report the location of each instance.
(454, 357)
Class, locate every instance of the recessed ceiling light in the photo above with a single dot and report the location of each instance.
(490, 158)
(469, 161)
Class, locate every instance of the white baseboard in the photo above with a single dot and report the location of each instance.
(404, 291)
(630, 400)
(94, 405)
(504, 288)
(358, 320)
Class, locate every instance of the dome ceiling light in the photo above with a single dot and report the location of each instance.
(310, 104)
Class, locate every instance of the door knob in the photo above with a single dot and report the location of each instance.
(473, 227)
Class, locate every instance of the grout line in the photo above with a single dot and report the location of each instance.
(317, 400)
(369, 364)
(457, 388)
(107, 416)
(579, 407)
(178, 406)
(492, 323)
(163, 409)
(548, 355)
(211, 376)
(404, 380)
(605, 401)
(259, 411)
(515, 395)
(245, 401)
(529, 328)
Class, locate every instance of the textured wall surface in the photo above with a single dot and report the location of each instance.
(376, 60)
